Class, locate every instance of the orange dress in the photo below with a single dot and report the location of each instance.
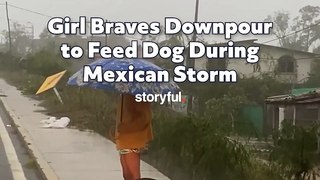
(134, 129)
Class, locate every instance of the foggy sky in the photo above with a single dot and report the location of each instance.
(149, 10)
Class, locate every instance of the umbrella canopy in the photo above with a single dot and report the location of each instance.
(125, 87)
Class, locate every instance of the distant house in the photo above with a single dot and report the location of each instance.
(301, 108)
(286, 64)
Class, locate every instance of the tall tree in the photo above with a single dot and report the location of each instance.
(309, 20)
(281, 26)
(45, 34)
(19, 37)
(306, 25)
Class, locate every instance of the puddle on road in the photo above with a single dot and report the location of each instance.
(41, 111)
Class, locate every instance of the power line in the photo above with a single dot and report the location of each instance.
(292, 33)
(31, 11)
(302, 58)
(275, 39)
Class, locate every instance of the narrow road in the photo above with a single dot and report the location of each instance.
(15, 162)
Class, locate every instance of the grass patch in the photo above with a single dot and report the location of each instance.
(31, 164)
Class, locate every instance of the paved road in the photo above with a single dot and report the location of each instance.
(74, 155)
(12, 151)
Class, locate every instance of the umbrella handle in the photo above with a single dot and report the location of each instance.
(121, 108)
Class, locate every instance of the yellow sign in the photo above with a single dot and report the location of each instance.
(50, 82)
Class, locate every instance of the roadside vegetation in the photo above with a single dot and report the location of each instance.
(185, 146)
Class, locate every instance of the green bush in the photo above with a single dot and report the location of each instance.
(196, 145)
(88, 108)
(263, 171)
(44, 63)
(9, 62)
(296, 151)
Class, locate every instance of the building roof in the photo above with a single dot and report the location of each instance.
(312, 96)
(252, 41)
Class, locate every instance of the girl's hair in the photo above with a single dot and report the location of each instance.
(111, 133)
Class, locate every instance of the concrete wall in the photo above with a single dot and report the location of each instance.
(304, 115)
(268, 63)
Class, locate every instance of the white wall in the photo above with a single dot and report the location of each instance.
(268, 63)
(200, 64)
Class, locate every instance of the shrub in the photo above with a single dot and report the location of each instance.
(195, 145)
(44, 63)
(296, 151)
(9, 62)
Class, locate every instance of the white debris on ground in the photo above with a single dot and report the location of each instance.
(53, 122)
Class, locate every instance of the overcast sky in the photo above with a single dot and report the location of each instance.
(149, 10)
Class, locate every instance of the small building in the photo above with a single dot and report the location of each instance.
(300, 109)
(287, 65)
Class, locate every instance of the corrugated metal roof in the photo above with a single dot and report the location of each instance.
(304, 98)
(309, 101)
(300, 91)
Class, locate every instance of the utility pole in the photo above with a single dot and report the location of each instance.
(194, 37)
(9, 31)
(106, 38)
(191, 62)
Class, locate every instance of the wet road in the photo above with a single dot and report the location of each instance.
(15, 162)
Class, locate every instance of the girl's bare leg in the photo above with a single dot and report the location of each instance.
(131, 166)
(125, 171)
